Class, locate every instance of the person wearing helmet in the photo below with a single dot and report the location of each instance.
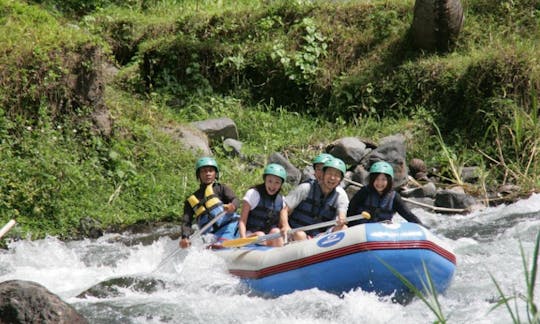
(212, 199)
(379, 198)
(263, 206)
(319, 201)
(318, 164)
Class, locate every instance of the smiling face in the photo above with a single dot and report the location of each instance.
(272, 184)
(331, 178)
(207, 174)
(381, 183)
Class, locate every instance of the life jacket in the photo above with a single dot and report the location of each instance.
(266, 214)
(380, 208)
(208, 208)
(314, 209)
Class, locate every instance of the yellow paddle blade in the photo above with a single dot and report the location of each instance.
(240, 242)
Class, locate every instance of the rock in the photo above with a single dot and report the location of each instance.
(29, 302)
(392, 151)
(427, 190)
(110, 288)
(191, 138)
(293, 174)
(90, 227)
(470, 174)
(350, 149)
(418, 169)
(218, 129)
(233, 146)
(454, 198)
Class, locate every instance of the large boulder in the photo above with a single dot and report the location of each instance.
(350, 149)
(393, 151)
(190, 138)
(29, 302)
(218, 129)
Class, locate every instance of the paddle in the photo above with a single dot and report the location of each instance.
(259, 239)
(195, 235)
(7, 227)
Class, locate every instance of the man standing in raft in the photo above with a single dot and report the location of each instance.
(318, 201)
(211, 200)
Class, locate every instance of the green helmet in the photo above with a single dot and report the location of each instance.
(336, 164)
(206, 161)
(382, 167)
(321, 158)
(275, 169)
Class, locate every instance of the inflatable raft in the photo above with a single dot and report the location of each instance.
(361, 257)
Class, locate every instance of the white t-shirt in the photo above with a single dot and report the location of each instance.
(252, 197)
(301, 192)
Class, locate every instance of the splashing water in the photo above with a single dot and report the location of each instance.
(195, 287)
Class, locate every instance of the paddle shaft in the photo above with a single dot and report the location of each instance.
(196, 234)
(7, 227)
(259, 239)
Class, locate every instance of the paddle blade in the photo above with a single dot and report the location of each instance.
(240, 242)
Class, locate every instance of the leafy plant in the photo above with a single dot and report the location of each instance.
(428, 295)
(455, 164)
(516, 143)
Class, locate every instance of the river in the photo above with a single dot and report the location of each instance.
(196, 288)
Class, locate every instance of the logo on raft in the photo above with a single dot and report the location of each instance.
(331, 239)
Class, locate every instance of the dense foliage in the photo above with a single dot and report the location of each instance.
(307, 72)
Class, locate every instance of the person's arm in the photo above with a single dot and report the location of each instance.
(342, 207)
(357, 202)
(404, 211)
(186, 229)
(243, 219)
(229, 199)
(284, 219)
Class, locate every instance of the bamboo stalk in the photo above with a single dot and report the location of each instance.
(7, 227)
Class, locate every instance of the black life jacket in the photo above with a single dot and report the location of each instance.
(314, 209)
(380, 207)
(266, 214)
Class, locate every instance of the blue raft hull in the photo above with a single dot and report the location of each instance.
(361, 257)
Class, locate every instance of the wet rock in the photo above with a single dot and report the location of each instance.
(29, 302)
(90, 227)
(113, 287)
(454, 198)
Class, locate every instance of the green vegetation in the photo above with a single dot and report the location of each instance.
(303, 72)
